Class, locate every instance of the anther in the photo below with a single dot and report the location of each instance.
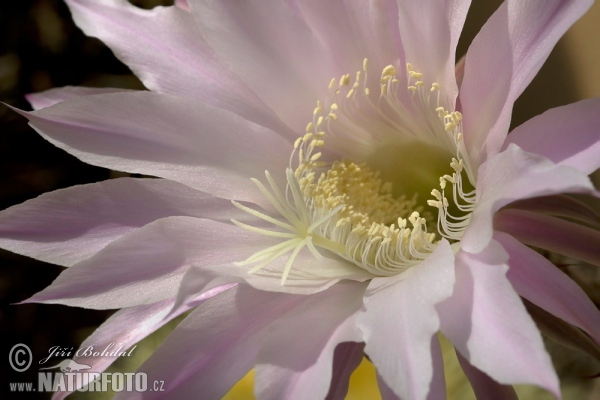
(345, 80)
(389, 71)
(332, 83)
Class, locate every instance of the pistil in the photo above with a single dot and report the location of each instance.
(346, 207)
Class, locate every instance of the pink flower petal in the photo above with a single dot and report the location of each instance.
(385, 391)
(216, 345)
(308, 276)
(562, 332)
(567, 135)
(67, 226)
(350, 28)
(165, 49)
(460, 72)
(297, 358)
(541, 282)
(514, 175)
(437, 387)
(430, 30)
(50, 97)
(270, 47)
(346, 358)
(148, 264)
(502, 60)
(551, 233)
(560, 206)
(487, 323)
(126, 327)
(484, 386)
(400, 343)
(175, 138)
(183, 4)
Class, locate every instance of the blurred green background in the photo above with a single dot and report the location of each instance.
(40, 48)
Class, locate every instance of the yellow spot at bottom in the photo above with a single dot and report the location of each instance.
(243, 390)
(363, 382)
(363, 385)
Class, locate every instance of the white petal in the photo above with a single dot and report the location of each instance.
(429, 30)
(487, 323)
(502, 60)
(147, 265)
(514, 175)
(270, 47)
(297, 358)
(216, 345)
(484, 386)
(566, 135)
(67, 226)
(166, 50)
(50, 97)
(124, 329)
(400, 321)
(538, 280)
(185, 140)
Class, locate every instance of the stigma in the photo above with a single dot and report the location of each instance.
(346, 206)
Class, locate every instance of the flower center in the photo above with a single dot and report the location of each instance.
(346, 207)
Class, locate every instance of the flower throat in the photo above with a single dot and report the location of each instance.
(346, 207)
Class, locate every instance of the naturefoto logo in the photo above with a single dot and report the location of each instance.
(70, 375)
(73, 376)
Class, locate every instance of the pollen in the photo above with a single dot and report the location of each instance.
(346, 207)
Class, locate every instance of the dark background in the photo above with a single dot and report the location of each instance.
(40, 48)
